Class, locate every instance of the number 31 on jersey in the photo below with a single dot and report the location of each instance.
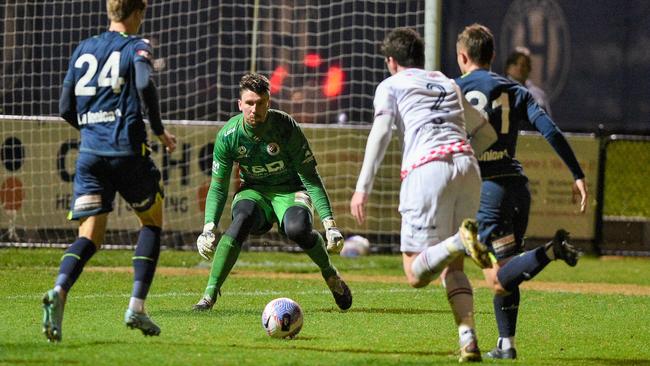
(480, 100)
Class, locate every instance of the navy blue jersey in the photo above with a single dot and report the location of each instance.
(509, 106)
(102, 76)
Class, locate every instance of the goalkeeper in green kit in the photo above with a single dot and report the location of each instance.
(279, 183)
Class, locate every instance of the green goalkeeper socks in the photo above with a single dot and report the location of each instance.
(225, 258)
(319, 255)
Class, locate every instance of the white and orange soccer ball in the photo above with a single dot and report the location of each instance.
(282, 318)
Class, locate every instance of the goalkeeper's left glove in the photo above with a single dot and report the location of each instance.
(333, 235)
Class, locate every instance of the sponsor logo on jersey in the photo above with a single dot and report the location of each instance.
(229, 132)
(215, 167)
(259, 171)
(241, 152)
(273, 149)
(98, 117)
(492, 155)
(540, 25)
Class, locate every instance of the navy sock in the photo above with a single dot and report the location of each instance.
(506, 309)
(73, 262)
(145, 259)
(522, 268)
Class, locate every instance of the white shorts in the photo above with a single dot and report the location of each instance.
(435, 198)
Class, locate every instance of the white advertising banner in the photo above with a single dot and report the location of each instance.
(37, 186)
(38, 158)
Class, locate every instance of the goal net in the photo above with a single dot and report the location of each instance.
(321, 57)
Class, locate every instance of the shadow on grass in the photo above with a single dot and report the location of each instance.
(384, 311)
(401, 311)
(184, 312)
(239, 312)
(230, 313)
(69, 345)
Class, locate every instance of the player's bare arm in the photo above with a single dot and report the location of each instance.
(580, 187)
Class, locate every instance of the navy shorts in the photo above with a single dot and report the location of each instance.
(503, 215)
(98, 178)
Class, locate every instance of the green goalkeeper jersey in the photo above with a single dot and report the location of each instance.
(273, 157)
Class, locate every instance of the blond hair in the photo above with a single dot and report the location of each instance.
(119, 10)
(478, 41)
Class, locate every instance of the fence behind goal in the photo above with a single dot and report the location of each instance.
(321, 57)
(323, 62)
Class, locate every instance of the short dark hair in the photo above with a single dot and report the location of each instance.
(405, 46)
(256, 83)
(478, 41)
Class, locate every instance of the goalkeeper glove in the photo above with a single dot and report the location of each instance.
(333, 235)
(205, 243)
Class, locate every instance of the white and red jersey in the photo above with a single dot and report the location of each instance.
(427, 108)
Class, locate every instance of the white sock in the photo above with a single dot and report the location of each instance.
(506, 343)
(455, 243)
(466, 334)
(136, 305)
(461, 301)
(430, 262)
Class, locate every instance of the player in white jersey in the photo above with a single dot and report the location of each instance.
(440, 176)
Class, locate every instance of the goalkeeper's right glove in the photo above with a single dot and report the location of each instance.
(205, 243)
(333, 235)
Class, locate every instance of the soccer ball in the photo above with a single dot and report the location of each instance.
(355, 246)
(282, 318)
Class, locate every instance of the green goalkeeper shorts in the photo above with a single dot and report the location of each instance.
(274, 205)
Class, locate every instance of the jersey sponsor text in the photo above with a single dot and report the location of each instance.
(98, 117)
(492, 155)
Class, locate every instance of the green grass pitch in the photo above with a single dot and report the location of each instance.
(593, 314)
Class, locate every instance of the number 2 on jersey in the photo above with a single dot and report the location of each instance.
(109, 75)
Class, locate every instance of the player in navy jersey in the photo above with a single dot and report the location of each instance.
(505, 197)
(106, 91)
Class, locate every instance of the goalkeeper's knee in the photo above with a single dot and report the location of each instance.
(298, 227)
